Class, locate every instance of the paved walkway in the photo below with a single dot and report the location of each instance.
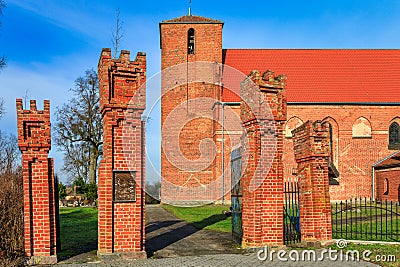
(167, 236)
(173, 242)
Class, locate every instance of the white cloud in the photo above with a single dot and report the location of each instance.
(71, 15)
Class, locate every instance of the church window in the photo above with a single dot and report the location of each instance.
(292, 124)
(362, 128)
(191, 41)
(331, 142)
(394, 136)
(386, 187)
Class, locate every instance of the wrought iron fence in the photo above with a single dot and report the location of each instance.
(291, 220)
(236, 195)
(362, 219)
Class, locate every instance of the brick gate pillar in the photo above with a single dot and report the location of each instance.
(34, 141)
(263, 113)
(311, 149)
(121, 172)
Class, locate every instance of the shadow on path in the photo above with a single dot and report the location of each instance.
(167, 236)
(157, 225)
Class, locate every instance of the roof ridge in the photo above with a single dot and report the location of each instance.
(192, 19)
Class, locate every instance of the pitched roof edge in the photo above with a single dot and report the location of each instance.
(388, 157)
(191, 19)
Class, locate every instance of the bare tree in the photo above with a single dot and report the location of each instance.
(76, 158)
(1, 107)
(10, 159)
(78, 130)
(2, 59)
(118, 33)
(11, 193)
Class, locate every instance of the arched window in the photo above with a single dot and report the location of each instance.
(362, 128)
(292, 124)
(191, 41)
(398, 194)
(386, 187)
(333, 140)
(394, 136)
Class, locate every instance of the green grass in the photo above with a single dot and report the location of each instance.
(78, 231)
(371, 231)
(384, 251)
(372, 223)
(208, 217)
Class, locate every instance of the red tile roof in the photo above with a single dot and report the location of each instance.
(325, 75)
(192, 19)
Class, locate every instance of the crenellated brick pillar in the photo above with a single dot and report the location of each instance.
(121, 172)
(311, 150)
(263, 113)
(34, 141)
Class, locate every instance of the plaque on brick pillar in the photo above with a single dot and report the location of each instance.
(124, 186)
(121, 171)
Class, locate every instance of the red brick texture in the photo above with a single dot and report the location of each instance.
(353, 154)
(262, 214)
(311, 150)
(34, 141)
(189, 92)
(122, 102)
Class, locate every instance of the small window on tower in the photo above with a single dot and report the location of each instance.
(191, 41)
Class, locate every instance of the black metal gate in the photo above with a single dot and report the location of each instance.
(236, 195)
(365, 219)
(291, 210)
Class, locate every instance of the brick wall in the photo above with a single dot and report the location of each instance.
(34, 141)
(189, 91)
(121, 172)
(352, 155)
(312, 150)
(263, 112)
(233, 131)
(391, 186)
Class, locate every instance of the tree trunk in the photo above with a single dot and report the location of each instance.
(94, 155)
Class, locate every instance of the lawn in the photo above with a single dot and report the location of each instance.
(210, 217)
(383, 255)
(78, 231)
(367, 221)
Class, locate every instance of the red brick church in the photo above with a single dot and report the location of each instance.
(355, 90)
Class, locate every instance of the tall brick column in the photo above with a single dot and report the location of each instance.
(34, 141)
(311, 149)
(121, 171)
(263, 112)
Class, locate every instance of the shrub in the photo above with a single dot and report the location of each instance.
(11, 219)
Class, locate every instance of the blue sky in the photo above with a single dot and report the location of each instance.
(49, 43)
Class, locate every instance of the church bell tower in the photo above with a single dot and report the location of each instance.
(191, 49)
